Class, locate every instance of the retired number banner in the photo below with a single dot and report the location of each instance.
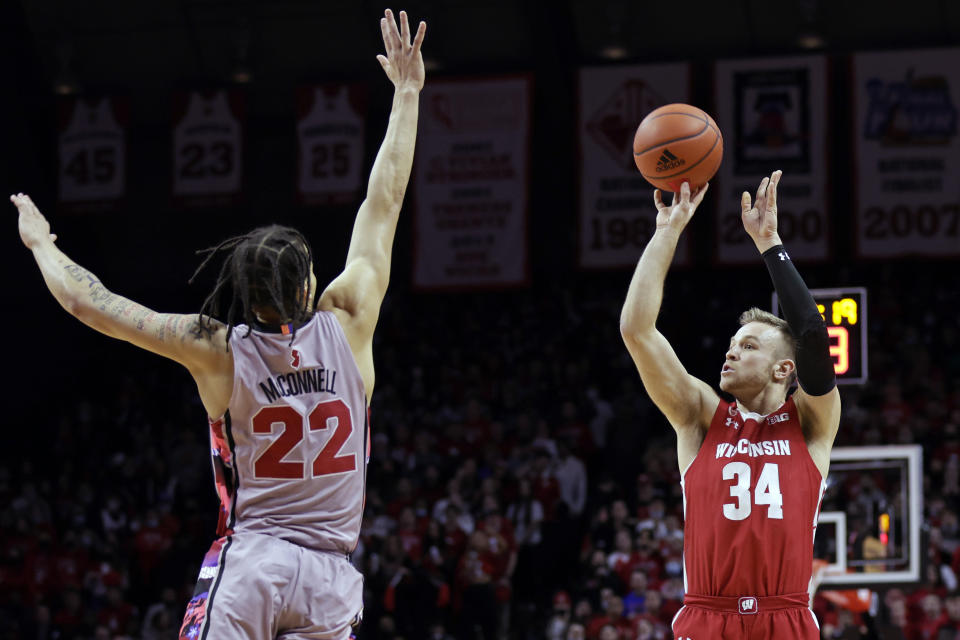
(471, 184)
(92, 150)
(617, 216)
(907, 153)
(208, 147)
(330, 139)
(773, 115)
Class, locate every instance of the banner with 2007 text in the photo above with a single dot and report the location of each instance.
(907, 153)
(773, 115)
(471, 176)
(617, 215)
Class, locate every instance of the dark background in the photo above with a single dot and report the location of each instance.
(146, 50)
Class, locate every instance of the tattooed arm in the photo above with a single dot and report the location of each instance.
(175, 336)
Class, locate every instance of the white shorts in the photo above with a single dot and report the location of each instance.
(258, 587)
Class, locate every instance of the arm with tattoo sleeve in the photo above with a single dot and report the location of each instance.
(175, 336)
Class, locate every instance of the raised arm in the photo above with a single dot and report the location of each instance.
(81, 293)
(357, 293)
(817, 399)
(686, 401)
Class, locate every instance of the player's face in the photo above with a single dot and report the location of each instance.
(750, 360)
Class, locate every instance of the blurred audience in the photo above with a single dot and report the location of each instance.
(524, 490)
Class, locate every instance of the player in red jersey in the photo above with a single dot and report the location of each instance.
(753, 469)
(286, 385)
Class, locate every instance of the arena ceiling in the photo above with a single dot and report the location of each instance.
(159, 44)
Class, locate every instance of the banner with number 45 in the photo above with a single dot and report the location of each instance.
(92, 150)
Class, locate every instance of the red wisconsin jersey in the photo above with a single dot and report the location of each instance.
(751, 502)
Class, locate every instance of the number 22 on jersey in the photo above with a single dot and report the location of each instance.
(270, 463)
(766, 492)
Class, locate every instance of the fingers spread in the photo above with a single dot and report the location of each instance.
(745, 203)
(394, 32)
(702, 191)
(418, 39)
(774, 180)
(658, 199)
(762, 190)
(404, 29)
(387, 38)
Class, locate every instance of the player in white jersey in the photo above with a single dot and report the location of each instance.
(286, 384)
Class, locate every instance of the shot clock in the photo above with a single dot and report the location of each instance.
(845, 312)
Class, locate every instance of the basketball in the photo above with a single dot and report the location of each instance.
(678, 143)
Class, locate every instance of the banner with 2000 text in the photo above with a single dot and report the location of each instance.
(773, 115)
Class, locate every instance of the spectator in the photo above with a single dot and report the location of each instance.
(576, 631)
(117, 614)
(526, 516)
(571, 477)
(622, 559)
(931, 618)
(633, 602)
(612, 617)
(477, 575)
(559, 622)
(949, 628)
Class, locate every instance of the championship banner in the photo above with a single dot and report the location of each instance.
(617, 215)
(92, 152)
(330, 143)
(773, 115)
(208, 147)
(470, 227)
(907, 153)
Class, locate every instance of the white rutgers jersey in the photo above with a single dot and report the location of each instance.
(290, 454)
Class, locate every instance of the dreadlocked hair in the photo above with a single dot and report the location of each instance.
(264, 268)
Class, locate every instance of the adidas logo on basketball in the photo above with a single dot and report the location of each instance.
(667, 161)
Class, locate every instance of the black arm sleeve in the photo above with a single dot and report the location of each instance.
(814, 364)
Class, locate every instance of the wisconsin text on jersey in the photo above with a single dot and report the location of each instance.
(762, 448)
(315, 380)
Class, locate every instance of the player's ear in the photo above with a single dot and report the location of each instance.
(783, 370)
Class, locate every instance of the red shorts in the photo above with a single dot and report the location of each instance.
(746, 618)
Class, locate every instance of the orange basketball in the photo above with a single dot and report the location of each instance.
(678, 143)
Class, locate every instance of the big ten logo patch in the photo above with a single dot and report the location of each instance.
(780, 417)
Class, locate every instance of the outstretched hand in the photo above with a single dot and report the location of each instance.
(34, 228)
(678, 214)
(760, 218)
(403, 62)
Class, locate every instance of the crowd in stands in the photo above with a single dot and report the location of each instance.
(521, 484)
